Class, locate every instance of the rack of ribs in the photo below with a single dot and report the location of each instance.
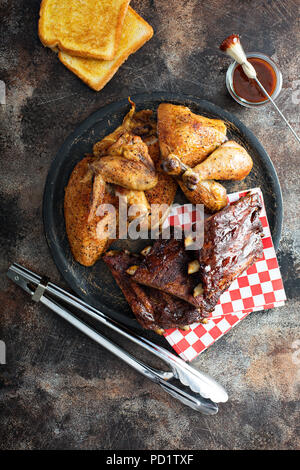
(232, 243)
(158, 286)
(154, 310)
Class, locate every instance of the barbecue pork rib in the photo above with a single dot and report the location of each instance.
(232, 243)
(160, 290)
(153, 309)
(165, 268)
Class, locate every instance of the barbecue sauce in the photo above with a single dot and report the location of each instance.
(247, 88)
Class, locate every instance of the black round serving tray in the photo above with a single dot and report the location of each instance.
(96, 285)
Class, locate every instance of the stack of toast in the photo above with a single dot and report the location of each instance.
(93, 37)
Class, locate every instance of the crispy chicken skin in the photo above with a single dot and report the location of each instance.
(154, 310)
(195, 151)
(232, 243)
(208, 192)
(230, 161)
(164, 192)
(139, 123)
(144, 125)
(189, 136)
(123, 162)
(127, 163)
(123, 158)
(83, 194)
(140, 171)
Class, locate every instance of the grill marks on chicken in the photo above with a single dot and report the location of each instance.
(154, 310)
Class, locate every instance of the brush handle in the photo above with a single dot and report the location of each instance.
(277, 109)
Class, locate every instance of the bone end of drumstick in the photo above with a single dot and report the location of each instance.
(173, 165)
(190, 179)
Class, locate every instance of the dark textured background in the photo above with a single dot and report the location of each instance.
(58, 389)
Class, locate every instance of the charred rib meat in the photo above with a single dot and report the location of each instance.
(159, 289)
(232, 243)
(166, 268)
(153, 309)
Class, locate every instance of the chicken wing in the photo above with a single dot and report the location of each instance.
(165, 268)
(127, 164)
(230, 161)
(139, 123)
(83, 195)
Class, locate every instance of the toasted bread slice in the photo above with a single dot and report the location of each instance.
(83, 28)
(96, 73)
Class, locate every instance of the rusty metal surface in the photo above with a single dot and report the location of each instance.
(59, 390)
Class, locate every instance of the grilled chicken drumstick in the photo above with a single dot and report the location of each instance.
(186, 139)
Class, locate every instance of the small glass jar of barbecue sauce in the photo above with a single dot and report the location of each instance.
(245, 90)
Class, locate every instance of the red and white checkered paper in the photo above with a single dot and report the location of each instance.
(258, 288)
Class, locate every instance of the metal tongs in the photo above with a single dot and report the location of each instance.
(190, 386)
